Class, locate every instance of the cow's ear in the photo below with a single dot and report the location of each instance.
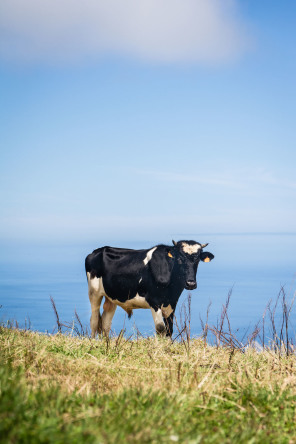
(161, 265)
(206, 256)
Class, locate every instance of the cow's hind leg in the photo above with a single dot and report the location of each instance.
(107, 316)
(95, 297)
(95, 319)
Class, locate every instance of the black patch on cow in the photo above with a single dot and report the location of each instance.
(93, 274)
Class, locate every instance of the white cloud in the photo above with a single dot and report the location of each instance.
(203, 31)
(232, 178)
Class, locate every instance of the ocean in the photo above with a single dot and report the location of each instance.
(254, 267)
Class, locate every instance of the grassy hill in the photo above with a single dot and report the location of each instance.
(59, 389)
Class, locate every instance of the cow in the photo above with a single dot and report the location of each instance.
(153, 278)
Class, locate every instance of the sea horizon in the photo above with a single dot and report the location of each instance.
(253, 267)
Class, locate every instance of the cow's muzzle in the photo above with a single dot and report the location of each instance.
(190, 285)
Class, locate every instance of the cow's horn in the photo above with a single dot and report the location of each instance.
(175, 243)
(204, 245)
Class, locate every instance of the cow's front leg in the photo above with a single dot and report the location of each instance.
(158, 321)
(107, 316)
(169, 323)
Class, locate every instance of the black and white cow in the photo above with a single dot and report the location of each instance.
(153, 278)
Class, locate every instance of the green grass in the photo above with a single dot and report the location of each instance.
(60, 389)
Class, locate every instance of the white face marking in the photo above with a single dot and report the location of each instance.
(140, 280)
(166, 311)
(149, 256)
(190, 249)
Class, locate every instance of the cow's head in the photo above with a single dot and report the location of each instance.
(183, 257)
(188, 254)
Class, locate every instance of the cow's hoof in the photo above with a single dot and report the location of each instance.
(160, 329)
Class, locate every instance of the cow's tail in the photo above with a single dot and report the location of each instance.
(129, 313)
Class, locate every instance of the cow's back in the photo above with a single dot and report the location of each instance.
(110, 260)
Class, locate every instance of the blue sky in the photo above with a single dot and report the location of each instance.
(120, 121)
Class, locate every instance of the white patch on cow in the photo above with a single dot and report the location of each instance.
(131, 304)
(166, 311)
(95, 284)
(140, 280)
(158, 320)
(190, 249)
(149, 256)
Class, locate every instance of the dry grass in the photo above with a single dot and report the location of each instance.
(102, 366)
(62, 388)
(70, 388)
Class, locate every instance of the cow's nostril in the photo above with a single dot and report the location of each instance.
(190, 285)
